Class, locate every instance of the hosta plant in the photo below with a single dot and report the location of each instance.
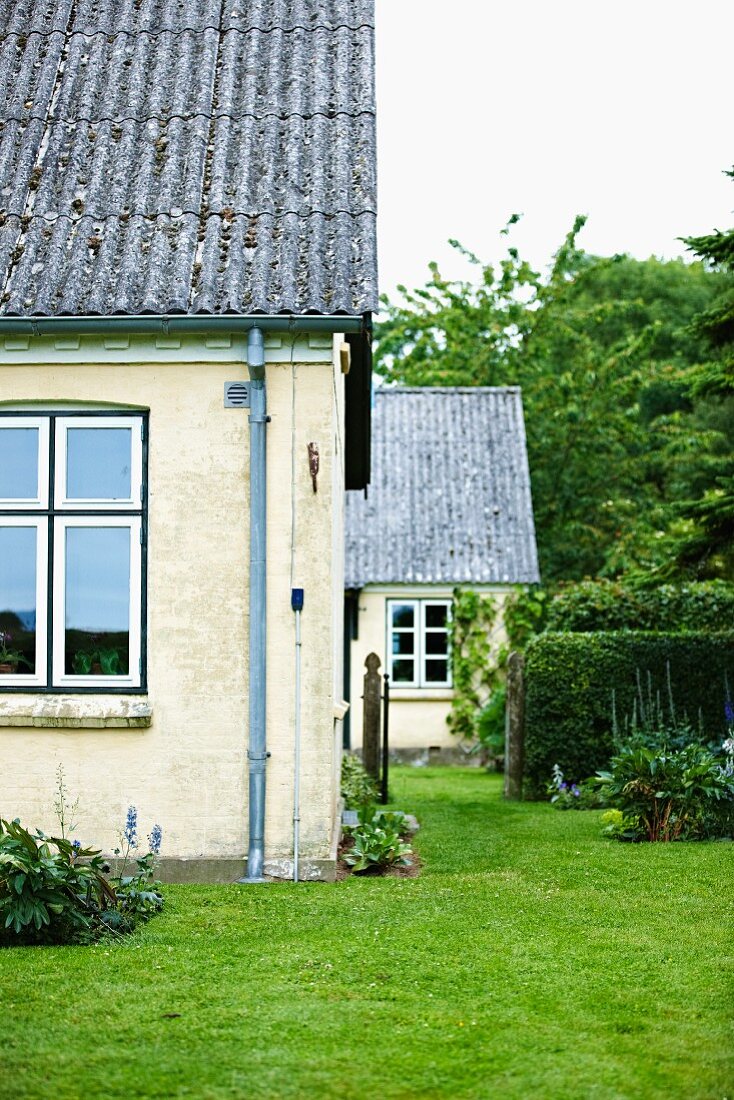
(357, 787)
(377, 841)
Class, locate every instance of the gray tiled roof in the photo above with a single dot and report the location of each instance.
(449, 500)
(187, 156)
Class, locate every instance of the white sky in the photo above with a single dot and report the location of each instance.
(550, 108)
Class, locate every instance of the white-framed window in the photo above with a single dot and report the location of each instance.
(418, 642)
(72, 552)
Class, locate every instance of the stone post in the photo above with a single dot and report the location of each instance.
(371, 721)
(515, 726)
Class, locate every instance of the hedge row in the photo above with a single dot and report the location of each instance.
(570, 678)
(609, 605)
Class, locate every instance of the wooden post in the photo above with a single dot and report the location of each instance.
(515, 726)
(371, 719)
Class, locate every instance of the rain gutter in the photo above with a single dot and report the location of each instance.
(170, 323)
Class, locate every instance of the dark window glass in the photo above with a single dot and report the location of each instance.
(436, 672)
(436, 614)
(403, 643)
(18, 600)
(403, 672)
(402, 615)
(436, 642)
(18, 463)
(98, 463)
(97, 601)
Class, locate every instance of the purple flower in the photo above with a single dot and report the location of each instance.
(563, 786)
(155, 838)
(131, 827)
(575, 791)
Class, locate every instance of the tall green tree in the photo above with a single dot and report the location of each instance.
(601, 349)
(709, 549)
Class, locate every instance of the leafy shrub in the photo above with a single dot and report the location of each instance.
(52, 890)
(378, 842)
(613, 605)
(575, 681)
(491, 723)
(669, 795)
(357, 787)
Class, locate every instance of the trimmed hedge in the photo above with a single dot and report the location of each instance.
(610, 605)
(569, 679)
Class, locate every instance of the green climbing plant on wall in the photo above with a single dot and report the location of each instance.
(476, 665)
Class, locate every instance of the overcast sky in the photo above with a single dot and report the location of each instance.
(619, 111)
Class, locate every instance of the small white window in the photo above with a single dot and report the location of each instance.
(23, 462)
(99, 462)
(418, 643)
(72, 552)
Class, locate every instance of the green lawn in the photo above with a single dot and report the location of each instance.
(531, 959)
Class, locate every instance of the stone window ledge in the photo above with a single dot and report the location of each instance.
(77, 712)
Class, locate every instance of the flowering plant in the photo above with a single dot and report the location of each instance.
(10, 656)
(573, 796)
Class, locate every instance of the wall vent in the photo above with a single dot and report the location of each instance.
(236, 395)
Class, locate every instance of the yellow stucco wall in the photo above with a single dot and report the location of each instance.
(188, 771)
(417, 715)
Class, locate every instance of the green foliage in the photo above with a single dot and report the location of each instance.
(614, 605)
(670, 795)
(48, 885)
(107, 658)
(525, 615)
(475, 666)
(377, 841)
(707, 548)
(602, 349)
(575, 683)
(52, 890)
(490, 725)
(584, 795)
(357, 787)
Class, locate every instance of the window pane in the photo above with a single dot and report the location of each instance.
(97, 641)
(402, 672)
(403, 642)
(18, 600)
(437, 642)
(98, 463)
(402, 615)
(18, 463)
(436, 672)
(436, 614)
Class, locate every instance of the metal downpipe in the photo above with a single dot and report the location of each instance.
(257, 753)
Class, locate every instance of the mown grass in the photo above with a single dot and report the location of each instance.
(531, 959)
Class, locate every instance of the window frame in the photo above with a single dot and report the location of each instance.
(419, 630)
(96, 513)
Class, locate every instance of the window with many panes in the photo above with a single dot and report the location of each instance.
(418, 643)
(72, 551)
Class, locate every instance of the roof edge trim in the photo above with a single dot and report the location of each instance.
(172, 323)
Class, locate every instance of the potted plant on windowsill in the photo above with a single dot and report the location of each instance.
(104, 661)
(10, 658)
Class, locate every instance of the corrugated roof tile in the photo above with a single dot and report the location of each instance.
(218, 156)
(449, 501)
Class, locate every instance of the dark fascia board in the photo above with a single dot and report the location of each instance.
(358, 412)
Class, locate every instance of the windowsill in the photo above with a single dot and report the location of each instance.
(412, 693)
(77, 712)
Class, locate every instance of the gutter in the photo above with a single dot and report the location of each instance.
(170, 323)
